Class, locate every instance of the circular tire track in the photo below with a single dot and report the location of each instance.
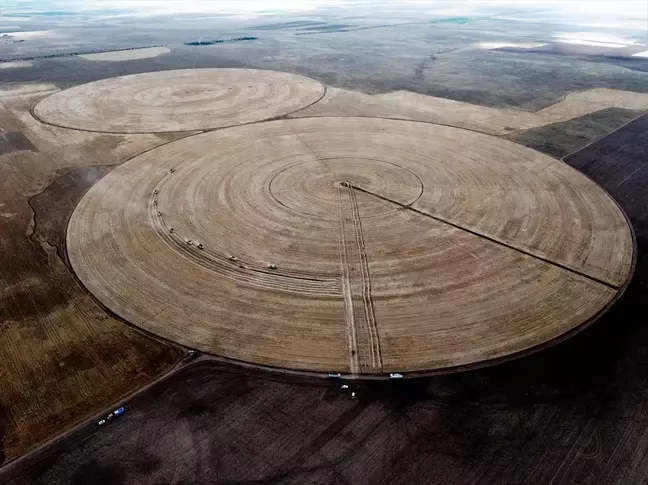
(181, 100)
(308, 186)
(399, 246)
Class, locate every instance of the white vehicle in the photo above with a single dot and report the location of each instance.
(396, 376)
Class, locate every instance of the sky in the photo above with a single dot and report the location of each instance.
(621, 14)
(614, 7)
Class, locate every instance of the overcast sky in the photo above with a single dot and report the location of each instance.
(622, 14)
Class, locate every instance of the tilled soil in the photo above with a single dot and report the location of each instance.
(576, 413)
(64, 358)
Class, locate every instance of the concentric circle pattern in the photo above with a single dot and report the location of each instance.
(183, 100)
(351, 245)
(312, 187)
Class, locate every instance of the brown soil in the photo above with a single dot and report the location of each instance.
(561, 139)
(54, 206)
(183, 100)
(64, 357)
(495, 121)
(67, 358)
(400, 246)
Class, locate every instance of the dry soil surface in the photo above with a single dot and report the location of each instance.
(399, 246)
(127, 55)
(183, 100)
(63, 357)
(494, 121)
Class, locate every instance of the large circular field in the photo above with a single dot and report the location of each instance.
(354, 245)
(183, 100)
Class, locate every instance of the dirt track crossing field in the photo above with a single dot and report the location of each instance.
(399, 246)
(184, 100)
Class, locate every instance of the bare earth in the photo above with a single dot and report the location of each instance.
(63, 357)
(494, 121)
(127, 55)
(396, 251)
(15, 64)
(184, 100)
(399, 246)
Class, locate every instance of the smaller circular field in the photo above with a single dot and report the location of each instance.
(182, 100)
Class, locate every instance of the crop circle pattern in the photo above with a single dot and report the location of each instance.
(181, 100)
(355, 245)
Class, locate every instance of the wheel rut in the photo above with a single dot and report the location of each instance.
(360, 312)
